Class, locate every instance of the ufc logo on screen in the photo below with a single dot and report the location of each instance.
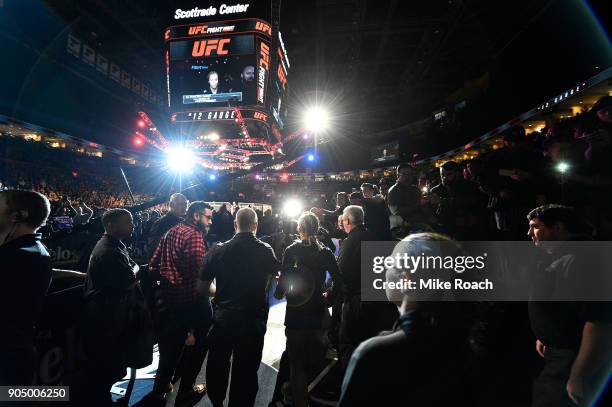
(281, 76)
(260, 116)
(206, 47)
(259, 26)
(198, 29)
(264, 53)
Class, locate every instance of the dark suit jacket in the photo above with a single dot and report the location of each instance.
(110, 279)
(415, 365)
(349, 260)
(159, 229)
(111, 270)
(26, 274)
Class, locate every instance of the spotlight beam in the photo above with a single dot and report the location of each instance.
(180, 159)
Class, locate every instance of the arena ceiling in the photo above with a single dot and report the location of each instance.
(377, 64)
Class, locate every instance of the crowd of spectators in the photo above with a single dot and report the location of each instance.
(57, 174)
(549, 186)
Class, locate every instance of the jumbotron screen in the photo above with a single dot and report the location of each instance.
(213, 72)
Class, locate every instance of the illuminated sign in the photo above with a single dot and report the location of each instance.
(197, 29)
(219, 114)
(282, 77)
(210, 11)
(213, 115)
(264, 67)
(206, 47)
(280, 39)
(204, 29)
(263, 27)
(218, 27)
(260, 116)
(208, 98)
(212, 72)
(277, 92)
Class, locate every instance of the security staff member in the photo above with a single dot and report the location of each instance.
(26, 274)
(111, 273)
(242, 267)
(573, 337)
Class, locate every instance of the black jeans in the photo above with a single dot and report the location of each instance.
(175, 323)
(549, 387)
(92, 386)
(240, 337)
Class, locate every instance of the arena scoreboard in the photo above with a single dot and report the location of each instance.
(224, 55)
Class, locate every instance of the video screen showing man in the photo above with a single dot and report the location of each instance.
(225, 86)
(246, 84)
(211, 75)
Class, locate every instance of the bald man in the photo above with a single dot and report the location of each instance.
(243, 268)
(178, 208)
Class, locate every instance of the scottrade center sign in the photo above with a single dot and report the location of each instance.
(210, 11)
(187, 11)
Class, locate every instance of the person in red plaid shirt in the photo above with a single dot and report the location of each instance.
(185, 313)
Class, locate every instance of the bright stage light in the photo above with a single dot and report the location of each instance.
(311, 157)
(316, 119)
(212, 177)
(213, 137)
(180, 159)
(293, 208)
(562, 167)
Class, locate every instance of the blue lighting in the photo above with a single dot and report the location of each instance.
(311, 157)
(212, 177)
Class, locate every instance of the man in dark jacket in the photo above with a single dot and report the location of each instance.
(376, 213)
(460, 206)
(360, 320)
(26, 277)
(573, 337)
(178, 208)
(403, 200)
(243, 268)
(110, 275)
(426, 355)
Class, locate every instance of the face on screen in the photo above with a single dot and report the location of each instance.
(213, 80)
(248, 74)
